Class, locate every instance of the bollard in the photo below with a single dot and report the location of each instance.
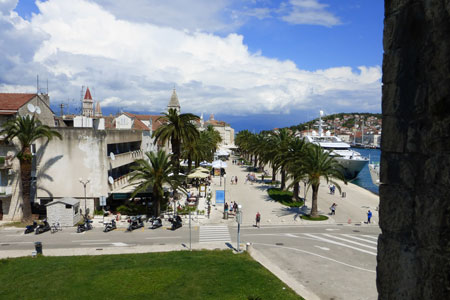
(38, 247)
(248, 247)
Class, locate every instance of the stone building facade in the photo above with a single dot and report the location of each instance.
(414, 247)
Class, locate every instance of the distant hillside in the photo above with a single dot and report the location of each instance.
(345, 120)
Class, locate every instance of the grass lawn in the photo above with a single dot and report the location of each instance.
(16, 224)
(319, 218)
(283, 197)
(168, 275)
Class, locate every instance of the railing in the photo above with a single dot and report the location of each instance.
(126, 158)
(120, 182)
(5, 191)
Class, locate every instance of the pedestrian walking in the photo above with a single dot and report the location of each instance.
(258, 219)
(235, 180)
(235, 207)
(333, 209)
(369, 216)
(262, 178)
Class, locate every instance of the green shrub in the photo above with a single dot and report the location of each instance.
(283, 197)
(132, 209)
(2, 160)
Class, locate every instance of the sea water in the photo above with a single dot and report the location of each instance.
(364, 180)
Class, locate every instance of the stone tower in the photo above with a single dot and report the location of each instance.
(414, 246)
(98, 110)
(174, 103)
(88, 104)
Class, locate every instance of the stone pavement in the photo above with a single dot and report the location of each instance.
(253, 197)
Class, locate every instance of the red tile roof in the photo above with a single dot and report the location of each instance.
(14, 101)
(88, 94)
(155, 122)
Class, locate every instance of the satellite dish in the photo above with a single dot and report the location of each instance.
(31, 108)
(111, 180)
(112, 156)
(38, 110)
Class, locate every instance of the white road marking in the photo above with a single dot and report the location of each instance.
(331, 229)
(322, 248)
(214, 233)
(119, 244)
(167, 237)
(349, 241)
(340, 244)
(77, 241)
(358, 238)
(371, 236)
(290, 235)
(318, 255)
(9, 243)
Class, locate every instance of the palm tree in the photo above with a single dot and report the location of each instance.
(179, 129)
(317, 163)
(283, 138)
(294, 167)
(153, 172)
(27, 130)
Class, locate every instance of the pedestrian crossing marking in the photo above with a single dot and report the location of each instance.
(214, 234)
(352, 236)
(350, 241)
(329, 240)
(371, 236)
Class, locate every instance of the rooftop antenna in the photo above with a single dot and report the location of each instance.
(82, 92)
(61, 106)
(47, 86)
(37, 84)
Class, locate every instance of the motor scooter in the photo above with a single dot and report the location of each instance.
(85, 226)
(42, 227)
(30, 228)
(110, 226)
(156, 223)
(176, 222)
(135, 223)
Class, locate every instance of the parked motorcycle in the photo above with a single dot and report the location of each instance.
(135, 223)
(30, 228)
(85, 226)
(156, 223)
(42, 227)
(176, 223)
(110, 226)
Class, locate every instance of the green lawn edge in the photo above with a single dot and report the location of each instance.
(216, 274)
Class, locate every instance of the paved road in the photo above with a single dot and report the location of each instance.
(335, 262)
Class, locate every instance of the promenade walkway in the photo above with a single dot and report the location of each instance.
(253, 197)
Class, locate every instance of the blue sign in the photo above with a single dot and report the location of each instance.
(220, 197)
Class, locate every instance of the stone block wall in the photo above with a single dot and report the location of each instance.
(414, 247)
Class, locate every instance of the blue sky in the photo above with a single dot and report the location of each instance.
(255, 64)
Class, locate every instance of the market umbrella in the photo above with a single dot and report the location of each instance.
(218, 164)
(198, 174)
(201, 169)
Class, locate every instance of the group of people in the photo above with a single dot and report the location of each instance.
(234, 180)
(332, 188)
(233, 207)
(250, 177)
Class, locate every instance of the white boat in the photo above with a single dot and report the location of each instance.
(374, 169)
(351, 160)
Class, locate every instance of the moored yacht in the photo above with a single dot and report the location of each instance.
(374, 169)
(351, 160)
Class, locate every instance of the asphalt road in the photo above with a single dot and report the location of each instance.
(332, 261)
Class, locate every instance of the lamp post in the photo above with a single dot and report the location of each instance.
(239, 221)
(84, 183)
(225, 213)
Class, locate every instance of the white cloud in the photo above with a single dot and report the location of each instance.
(310, 12)
(134, 66)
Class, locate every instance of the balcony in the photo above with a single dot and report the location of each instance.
(120, 182)
(125, 158)
(6, 162)
(5, 191)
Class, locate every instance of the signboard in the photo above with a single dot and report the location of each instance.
(102, 201)
(216, 172)
(220, 197)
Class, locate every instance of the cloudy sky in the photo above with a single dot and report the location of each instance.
(257, 64)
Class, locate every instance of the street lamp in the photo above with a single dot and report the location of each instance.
(84, 183)
(225, 214)
(239, 221)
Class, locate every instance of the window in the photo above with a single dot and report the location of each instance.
(68, 206)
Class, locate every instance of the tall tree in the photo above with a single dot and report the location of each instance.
(282, 140)
(152, 173)
(178, 129)
(294, 167)
(318, 163)
(26, 130)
